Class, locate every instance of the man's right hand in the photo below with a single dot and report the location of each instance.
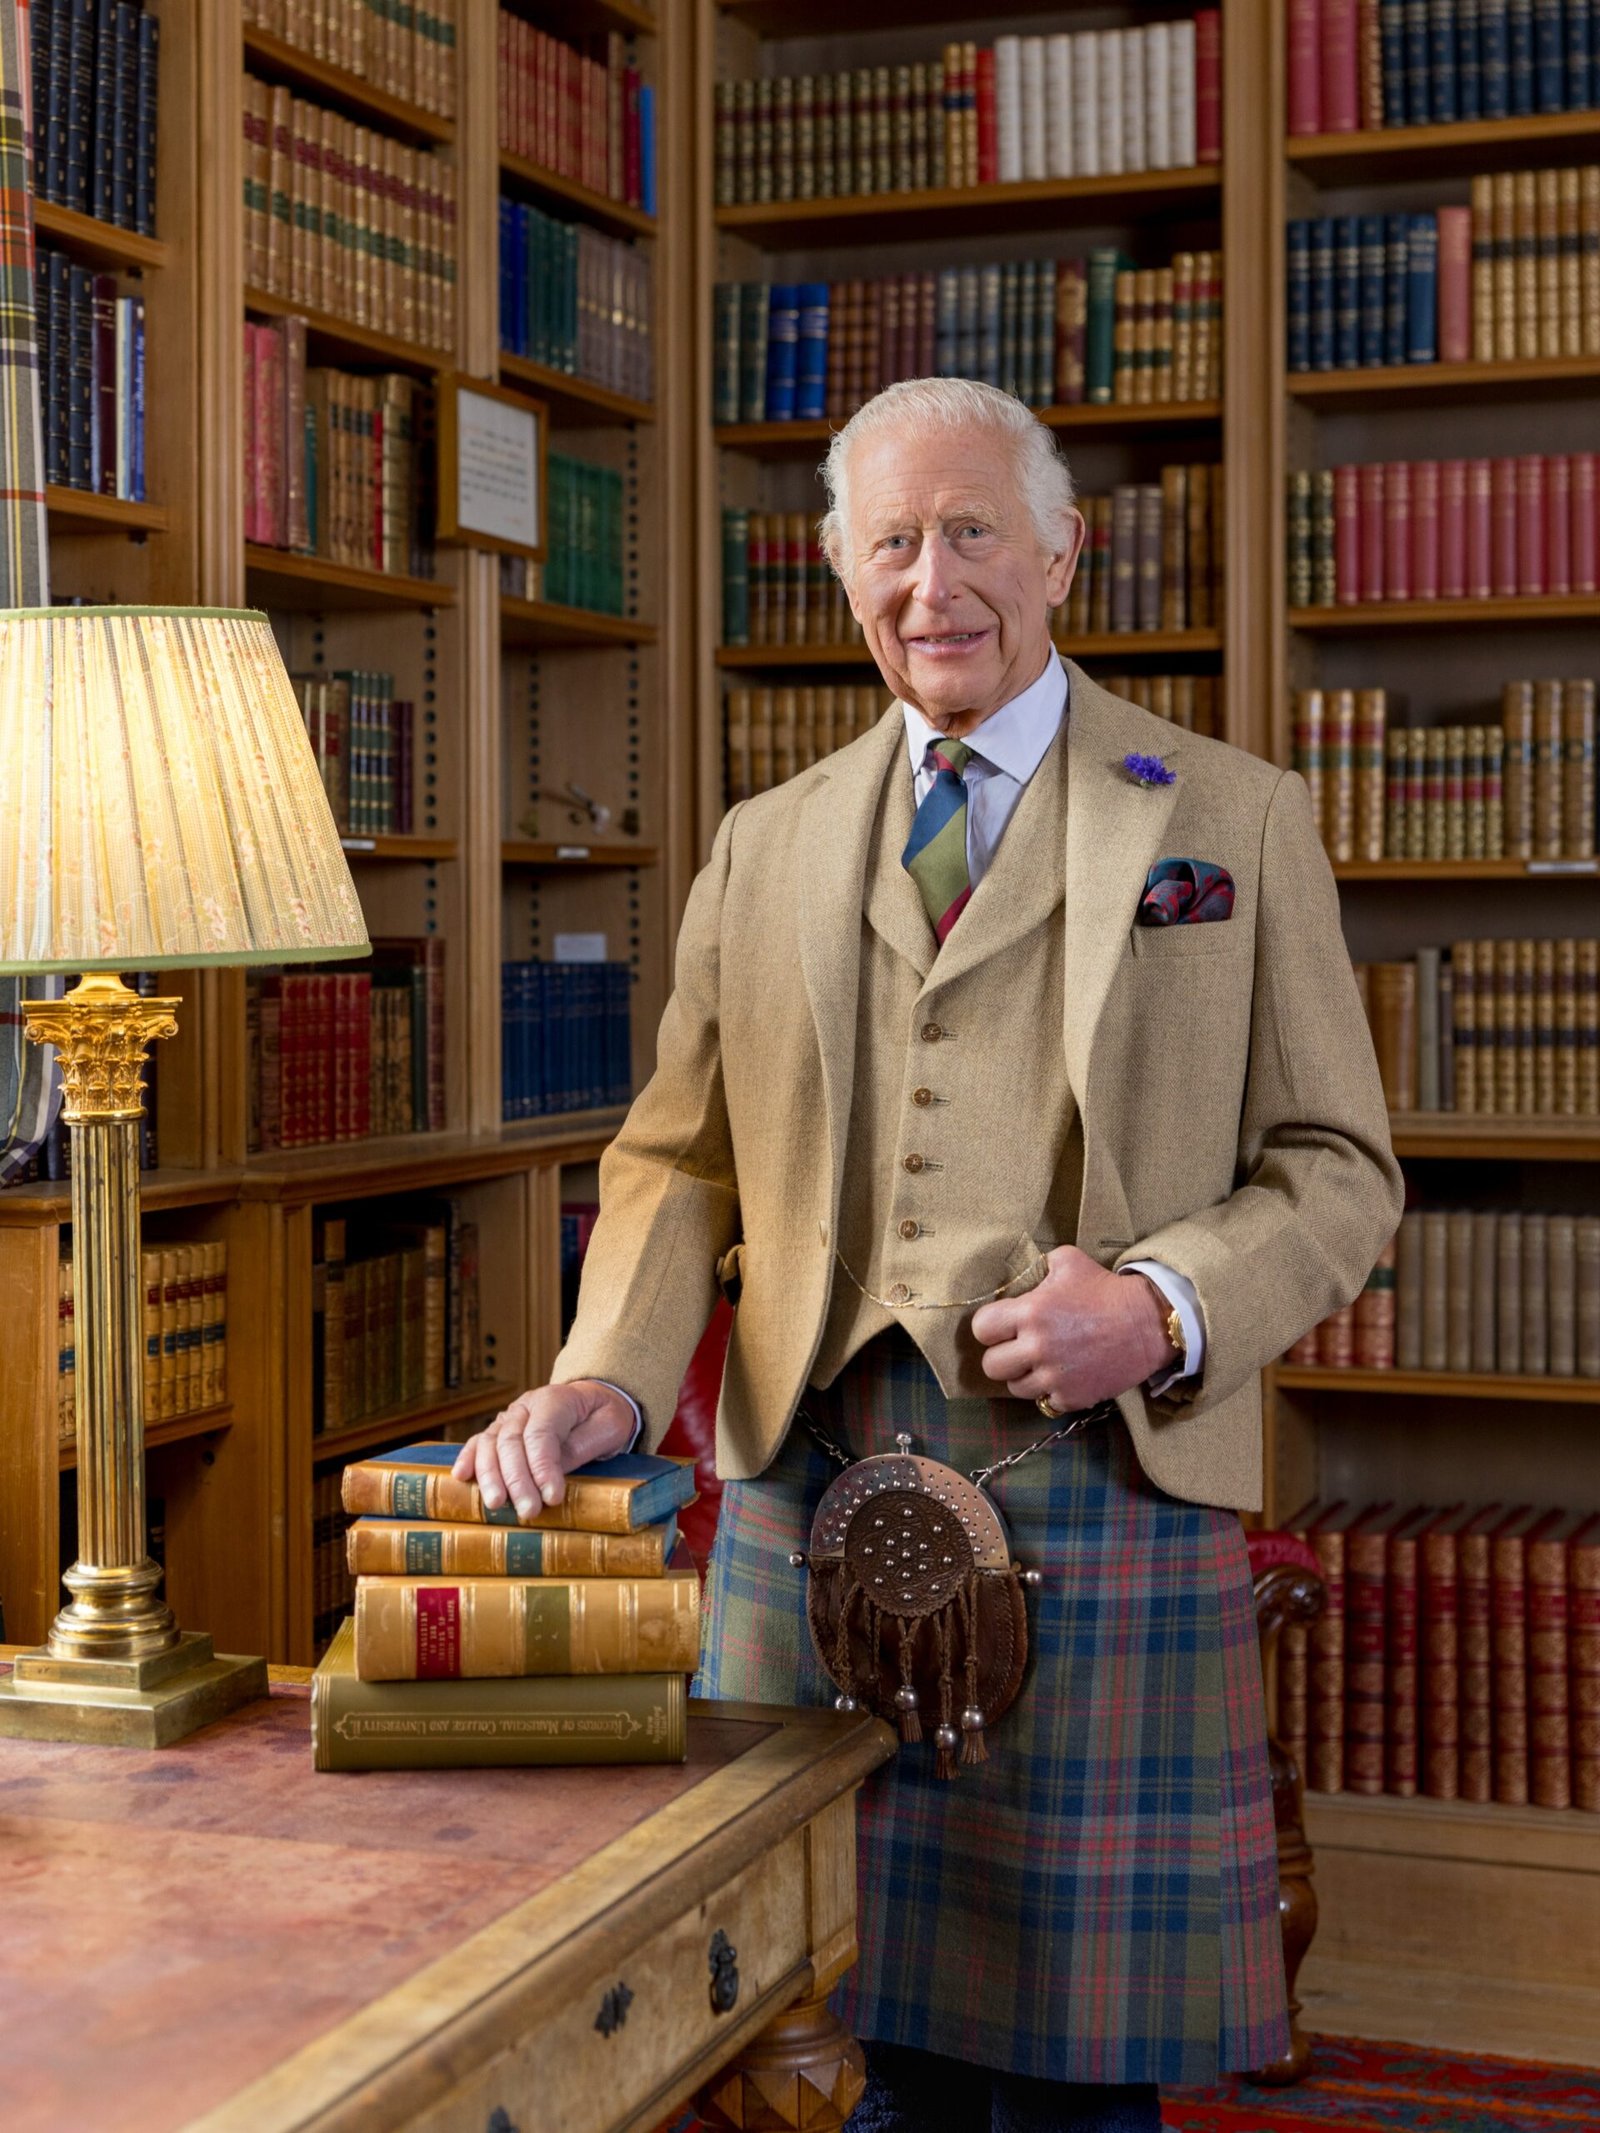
(530, 1447)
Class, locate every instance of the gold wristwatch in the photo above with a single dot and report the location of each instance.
(1175, 1335)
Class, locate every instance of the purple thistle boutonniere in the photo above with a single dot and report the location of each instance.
(1149, 769)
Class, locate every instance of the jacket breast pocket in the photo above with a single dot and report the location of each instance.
(1166, 944)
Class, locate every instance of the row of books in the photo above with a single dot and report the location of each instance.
(1482, 1290)
(1353, 65)
(340, 465)
(1458, 1655)
(364, 739)
(1097, 103)
(566, 1037)
(346, 221)
(575, 301)
(1515, 275)
(777, 587)
(771, 734)
(395, 1309)
(345, 1055)
(1152, 558)
(89, 348)
(409, 51)
(1053, 332)
(1502, 1029)
(1444, 529)
(1524, 789)
(185, 1328)
(95, 75)
(333, 1584)
(578, 1218)
(479, 1638)
(1192, 701)
(588, 117)
(584, 560)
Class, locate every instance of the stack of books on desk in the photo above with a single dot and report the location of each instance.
(479, 1639)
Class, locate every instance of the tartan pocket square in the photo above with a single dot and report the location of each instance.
(1185, 892)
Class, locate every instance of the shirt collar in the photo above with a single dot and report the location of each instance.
(1013, 739)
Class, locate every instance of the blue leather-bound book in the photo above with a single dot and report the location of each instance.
(1494, 58)
(1549, 57)
(1346, 292)
(103, 75)
(122, 59)
(1519, 58)
(1469, 81)
(1442, 99)
(1322, 292)
(1422, 289)
(1397, 263)
(1580, 54)
(783, 350)
(1392, 59)
(811, 369)
(1372, 292)
(79, 102)
(1297, 284)
(144, 145)
(1419, 71)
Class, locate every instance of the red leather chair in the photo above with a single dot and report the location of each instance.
(694, 1434)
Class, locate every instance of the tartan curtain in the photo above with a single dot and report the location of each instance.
(30, 1085)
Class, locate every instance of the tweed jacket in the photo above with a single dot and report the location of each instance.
(1233, 1122)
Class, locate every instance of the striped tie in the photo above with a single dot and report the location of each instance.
(936, 854)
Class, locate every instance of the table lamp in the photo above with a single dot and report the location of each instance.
(165, 811)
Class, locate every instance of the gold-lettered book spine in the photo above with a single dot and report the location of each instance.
(390, 1548)
(487, 1725)
(473, 1628)
(384, 1491)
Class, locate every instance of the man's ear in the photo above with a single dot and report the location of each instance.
(1060, 568)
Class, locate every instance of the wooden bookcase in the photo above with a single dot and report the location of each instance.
(503, 687)
(1441, 1921)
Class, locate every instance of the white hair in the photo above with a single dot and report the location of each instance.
(923, 407)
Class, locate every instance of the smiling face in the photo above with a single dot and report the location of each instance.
(947, 576)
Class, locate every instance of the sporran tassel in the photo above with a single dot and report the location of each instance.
(946, 1737)
(905, 1697)
(974, 1749)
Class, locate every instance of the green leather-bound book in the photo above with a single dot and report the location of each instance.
(483, 1725)
(607, 1496)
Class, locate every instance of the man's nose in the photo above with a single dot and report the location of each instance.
(935, 579)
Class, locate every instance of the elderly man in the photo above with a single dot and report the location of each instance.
(934, 1041)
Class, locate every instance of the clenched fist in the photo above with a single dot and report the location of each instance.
(1081, 1336)
(531, 1447)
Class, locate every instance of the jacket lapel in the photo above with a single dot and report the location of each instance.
(1115, 831)
(834, 843)
(893, 901)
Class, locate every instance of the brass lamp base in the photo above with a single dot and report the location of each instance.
(127, 1703)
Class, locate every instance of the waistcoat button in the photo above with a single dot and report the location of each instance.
(922, 1098)
(910, 1229)
(899, 1294)
(931, 1032)
(913, 1163)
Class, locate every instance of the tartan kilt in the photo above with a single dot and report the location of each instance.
(1098, 1902)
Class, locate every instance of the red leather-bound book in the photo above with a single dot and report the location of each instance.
(1503, 527)
(1325, 1526)
(1549, 1640)
(1370, 501)
(325, 1038)
(1530, 523)
(1305, 66)
(988, 133)
(1473, 1616)
(1346, 535)
(343, 1089)
(1455, 284)
(1558, 523)
(359, 1040)
(293, 1042)
(1508, 1620)
(1366, 1560)
(1440, 1656)
(1208, 85)
(1425, 529)
(1341, 72)
(1452, 529)
(1583, 1663)
(1397, 530)
(1401, 1678)
(927, 323)
(1480, 529)
(1581, 468)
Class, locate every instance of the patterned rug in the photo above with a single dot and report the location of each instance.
(1358, 2087)
(1361, 2087)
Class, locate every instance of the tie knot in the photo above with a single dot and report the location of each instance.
(952, 755)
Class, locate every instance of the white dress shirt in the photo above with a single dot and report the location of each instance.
(1008, 748)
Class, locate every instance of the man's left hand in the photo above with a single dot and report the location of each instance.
(1082, 1335)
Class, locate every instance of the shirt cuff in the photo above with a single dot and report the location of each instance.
(1179, 1291)
(638, 1418)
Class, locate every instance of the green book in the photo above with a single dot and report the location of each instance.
(735, 576)
(528, 1722)
(1100, 334)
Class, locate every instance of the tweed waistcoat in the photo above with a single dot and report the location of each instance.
(939, 1199)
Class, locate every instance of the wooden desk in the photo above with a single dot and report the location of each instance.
(212, 1937)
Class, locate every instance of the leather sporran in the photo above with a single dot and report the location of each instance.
(915, 1605)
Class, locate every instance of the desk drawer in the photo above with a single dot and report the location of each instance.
(584, 2071)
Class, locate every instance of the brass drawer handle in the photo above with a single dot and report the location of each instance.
(613, 2009)
(724, 1962)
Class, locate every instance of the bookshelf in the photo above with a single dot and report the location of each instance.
(497, 682)
(1428, 1906)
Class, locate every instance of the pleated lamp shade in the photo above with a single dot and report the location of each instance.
(163, 806)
